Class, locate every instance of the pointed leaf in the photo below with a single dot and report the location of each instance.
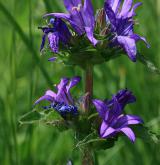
(150, 65)
(145, 134)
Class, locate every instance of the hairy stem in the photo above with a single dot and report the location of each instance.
(88, 86)
(87, 157)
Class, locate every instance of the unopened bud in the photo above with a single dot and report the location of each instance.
(83, 102)
(100, 19)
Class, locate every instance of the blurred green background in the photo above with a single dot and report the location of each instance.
(25, 75)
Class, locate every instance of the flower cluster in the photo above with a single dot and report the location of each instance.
(86, 40)
(116, 35)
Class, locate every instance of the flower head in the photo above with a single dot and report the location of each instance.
(80, 16)
(62, 101)
(113, 118)
(122, 24)
(59, 32)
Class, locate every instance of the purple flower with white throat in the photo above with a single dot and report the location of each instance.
(80, 16)
(58, 32)
(62, 101)
(121, 20)
(113, 119)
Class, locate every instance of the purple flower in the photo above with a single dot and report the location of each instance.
(122, 24)
(59, 32)
(124, 97)
(81, 17)
(114, 120)
(62, 101)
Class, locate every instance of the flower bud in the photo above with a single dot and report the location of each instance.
(100, 19)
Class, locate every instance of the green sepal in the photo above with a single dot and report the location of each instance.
(80, 52)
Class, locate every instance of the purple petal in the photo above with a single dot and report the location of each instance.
(101, 107)
(129, 46)
(88, 7)
(63, 83)
(43, 41)
(73, 82)
(116, 5)
(132, 12)
(52, 59)
(58, 15)
(76, 16)
(88, 14)
(75, 20)
(89, 21)
(125, 27)
(50, 93)
(53, 39)
(63, 31)
(108, 132)
(110, 13)
(89, 33)
(129, 133)
(132, 119)
(103, 127)
(126, 120)
(45, 97)
(110, 2)
(69, 4)
(123, 97)
(77, 25)
(61, 94)
(136, 37)
(116, 109)
(126, 7)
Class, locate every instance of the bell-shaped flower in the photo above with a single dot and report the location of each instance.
(113, 119)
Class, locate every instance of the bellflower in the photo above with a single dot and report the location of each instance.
(59, 32)
(80, 16)
(62, 101)
(113, 119)
(122, 24)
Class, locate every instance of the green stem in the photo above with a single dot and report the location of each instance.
(88, 86)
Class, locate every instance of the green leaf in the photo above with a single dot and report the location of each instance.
(52, 115)
(145, 134)
(30, 118)
(95, 142)
(103, 144)
(150, 65)
(94, 115)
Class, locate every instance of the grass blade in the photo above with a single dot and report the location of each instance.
(27, 42)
